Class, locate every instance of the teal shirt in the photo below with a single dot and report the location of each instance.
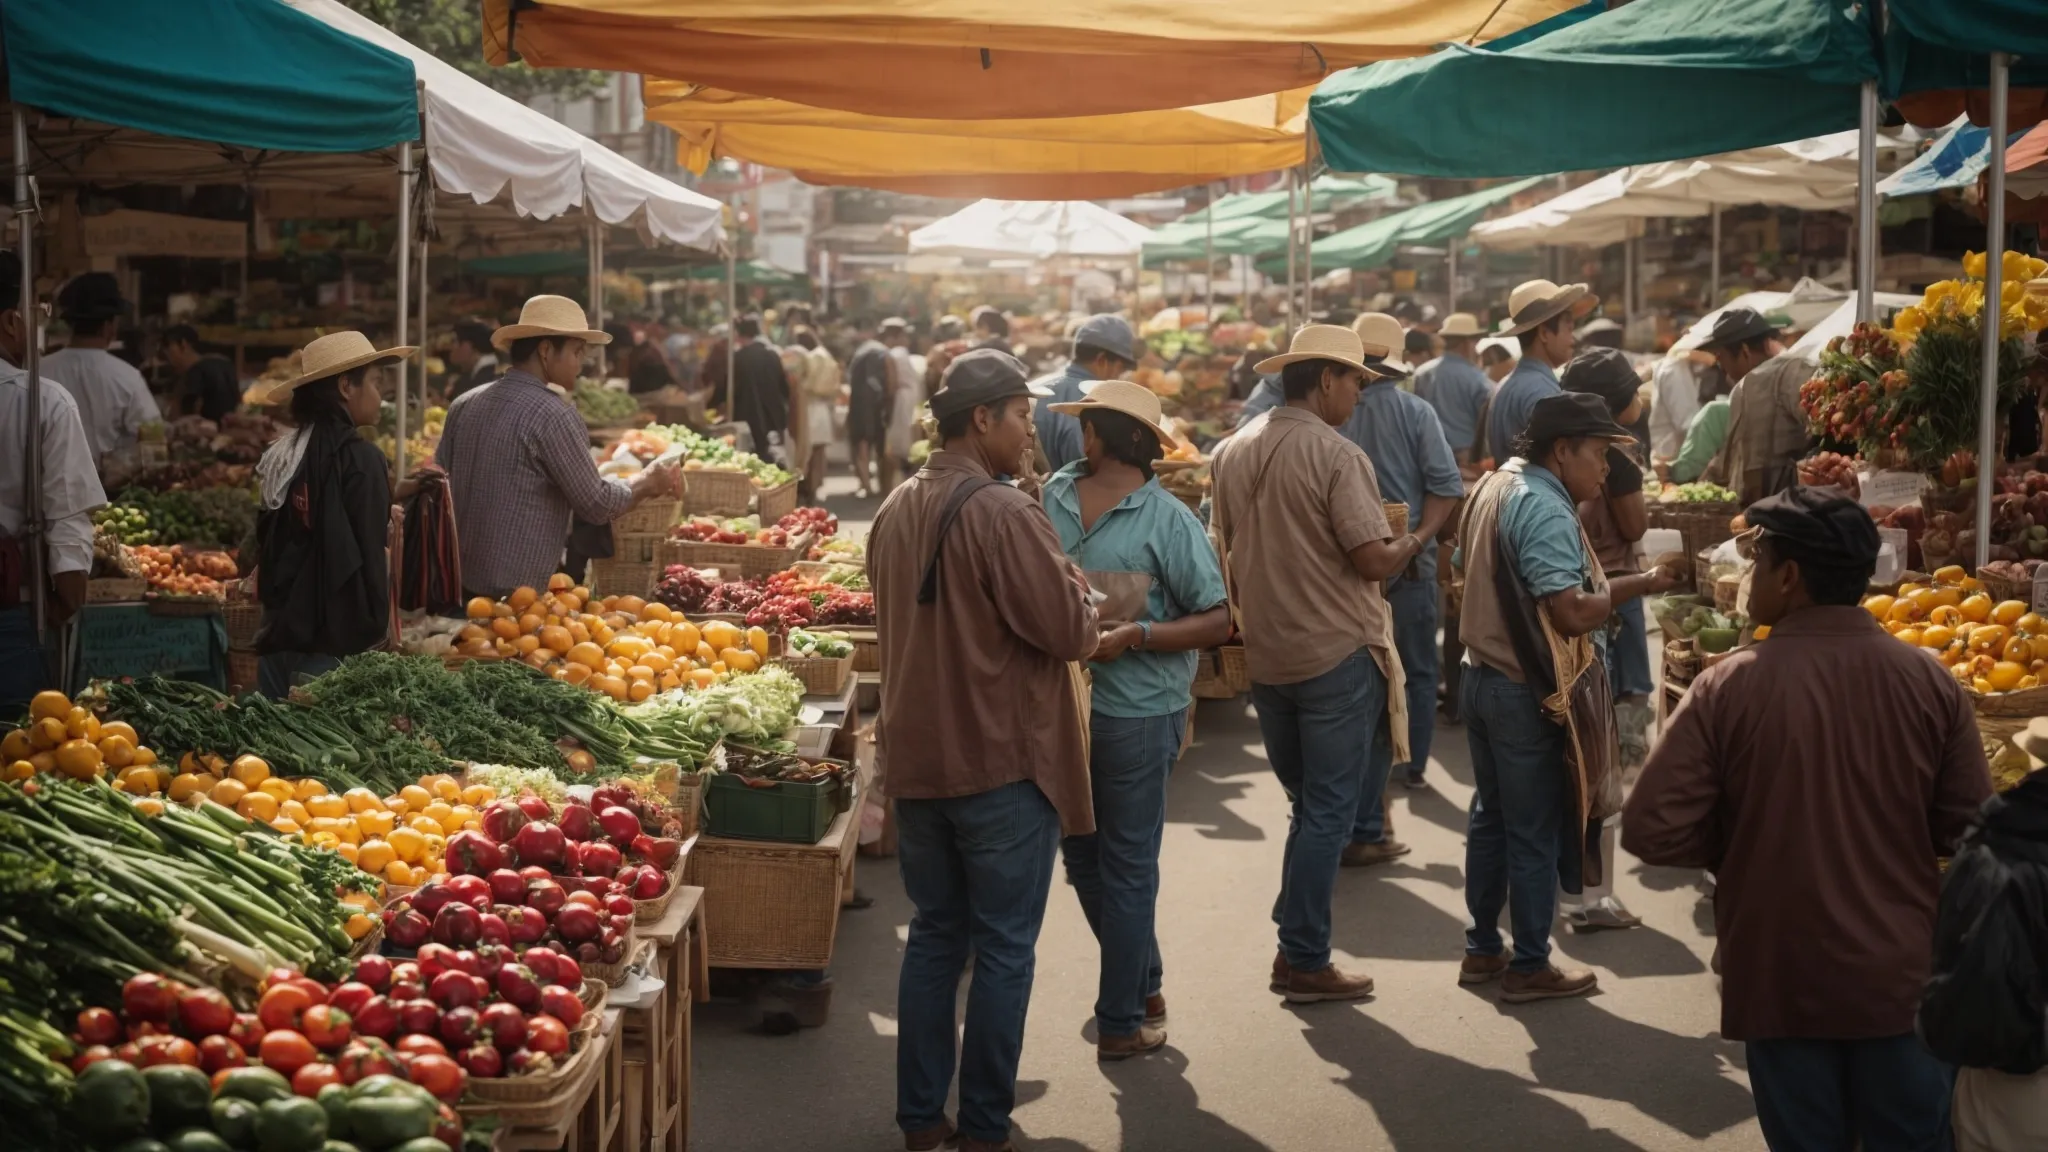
(1704, 435)
(1149, 531)
(1538, 519)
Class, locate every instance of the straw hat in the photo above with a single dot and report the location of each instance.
(1385, 339)
(1535, 301)
(1461, 324)
(333, 354)
(1325, 342)
(1133, 400)
(549, 316)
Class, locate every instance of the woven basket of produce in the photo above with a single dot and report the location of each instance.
(648, 911)
(1701, 526)
(649, 516)
(242, 617)
(614, 974)
(748, 560)
(2005, 580)
(624, 577)
(1236, 672)
(543, 1100)
(1397, 519)
(774, 503)
(717, 492)
(110, 589)
(1209, 683)
(822, 675)
(1681, 662)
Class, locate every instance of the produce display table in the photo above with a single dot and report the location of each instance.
(117, 640)
(657, 1033)
(593, 1123)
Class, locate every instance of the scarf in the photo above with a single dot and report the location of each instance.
(280, 463)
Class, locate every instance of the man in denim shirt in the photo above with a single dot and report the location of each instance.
(1542, 316)
(1105, 347)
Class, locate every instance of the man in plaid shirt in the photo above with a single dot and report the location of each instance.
(518, 458)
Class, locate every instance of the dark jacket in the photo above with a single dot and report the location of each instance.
(1985, 1003)
(323, 579)
(760, 392)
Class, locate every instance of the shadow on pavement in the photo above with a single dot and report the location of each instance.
(1202, 787)
(1586, 1050)
(1160, 1110)
(1641, 951)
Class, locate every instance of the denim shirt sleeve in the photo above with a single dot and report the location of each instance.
(1266, 395)
(1188, 567)
(1545, 534)
(1433, 451)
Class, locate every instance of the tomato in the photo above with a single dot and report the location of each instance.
(205, 1012)
(149, 997)
(316, 992)
(168, 1050)
(546, 1034)
(351, 997)
(246, 1031)
(99, 1026)
(439, 1075)
(360, 1060)
(90, 1056)
(281, 1005)
(278, 976)
(326, 1026)
(218, 1052)
(448, 1127)
(420, 1044)
(285, 1051)
(311, 1078)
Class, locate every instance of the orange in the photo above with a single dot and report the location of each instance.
(2018, 649)
(639, 690)
(654, 610)
(326, 804)
(184, 787)
(506, 627)
(561, 582)
(307, 788)
(575, 673)
(1947, 614)
(119, 728)
(2006, 675)
(611, 686)
(250, 770)
(278, 788)
(445, 787)
(1911, 636)
(358, 925)
(80, 724)
(150, 806)
(1944, 596)
(530, 623)
(478, 795)
(1949, 574)
(16, 745)
(522, 598)
(49, 706)
(140, 781)
(2031, 624)
(586, 654)
(376, 823)
(228, 792)
(142, 753)
(18, 770)
(757, 639)
(2008, 612)
(362, 799)
(570, 602)
(556, 637)
(373, 855)
(46, 733)
(398, 872)
(685, 637)
(293, 810)
(1988, 638)
(479, 608)
(118, 752)
(1977, 608)
(527, 644)
(409, 843)
(258, 806)
(639, 672)
(1937, 636)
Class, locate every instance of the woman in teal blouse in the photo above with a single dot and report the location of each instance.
(1147, 554)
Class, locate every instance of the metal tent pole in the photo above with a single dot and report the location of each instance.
(1308, 250)
(1451, 278)
(1991, 317)
(1628, 284)
(597, 289)
(1866, 205)
(1714, 276)
(1209, 259)
(34, 529)
(732, 326)
(1291, 325)
(424, 244)
(404, 294)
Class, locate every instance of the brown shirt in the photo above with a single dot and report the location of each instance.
(1766, 430)
(1818, 774)
(1292, 498)
(976, 691)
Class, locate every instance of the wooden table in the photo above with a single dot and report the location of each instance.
(594, 1124)
(657, 1034)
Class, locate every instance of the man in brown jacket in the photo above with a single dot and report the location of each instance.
(1819, 774)
(981, 742)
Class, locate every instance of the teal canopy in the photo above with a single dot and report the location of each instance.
(1976, 27)
(1244, 236)
(1653, 80)
(250, 73)
(1328, 193)
(1373, 243)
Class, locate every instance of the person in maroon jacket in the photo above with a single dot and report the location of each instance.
(1820, 774)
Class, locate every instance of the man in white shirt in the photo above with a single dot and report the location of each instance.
(71, 490)
(113, 400)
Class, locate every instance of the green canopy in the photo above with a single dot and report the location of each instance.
(1977, 27)
(1652, 80)
(1244, 236)
(745, 272)
(1328, 193)
(250, 73)
(1372, 243)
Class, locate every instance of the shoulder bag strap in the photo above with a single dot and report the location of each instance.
(928, 589)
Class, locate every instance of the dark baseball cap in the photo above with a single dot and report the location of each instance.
(1603, 372)
(980, 377)
(1570, 414)
(91, 296)
(1737, 326)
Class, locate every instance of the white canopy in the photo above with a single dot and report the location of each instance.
(1000, 229)
(1816, 309)
(1813, 174)
(483, 144)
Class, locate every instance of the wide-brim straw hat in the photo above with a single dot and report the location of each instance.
(1379, 330)
(1133, 400)
(549, 316)
(1327, 342)
(332, 355)
(1461, 324)
(1535, 301)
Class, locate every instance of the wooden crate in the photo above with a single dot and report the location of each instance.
(776, 905)
(657, 1045)
(556, 1122)
(867, 648)
(600, 1125)
(1235, 671)
(717, 492)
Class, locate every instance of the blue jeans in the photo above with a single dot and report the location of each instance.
(1628, 653)
(23, 669)
(1825, 1095)
(977, 869)
(1115, 869)
(1414, 606)
(1319, 734)
(278, 672)
(1514, 831)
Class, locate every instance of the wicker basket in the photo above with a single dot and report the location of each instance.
(1681, 663)
(1700, 526)
(243, 669)
(1209, 683)
(650, 517)
(614, 974)
(867, 649)
(637, 547)
(541, 1101)
(1235, 671)
(648, 911)
(822, 676)
(717, 492)
(1397, 519)
(750, 560)
(775, 503)
(169, 605)
(689, 802)
(243, 617)
(776, 905)
(624, 577)
(111, 589)
(2005, 588)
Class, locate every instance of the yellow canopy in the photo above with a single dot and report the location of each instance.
(1078, 157)
(991, 59)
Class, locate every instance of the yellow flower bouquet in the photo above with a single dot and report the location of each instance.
(1935, 413)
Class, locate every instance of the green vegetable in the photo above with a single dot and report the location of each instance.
(178, 1097)
(335, 1098)
(198, 1140)
(382, 1084)
(110, 1101)
(382, 1121)
(1713, 640)
(141, 1144)
(235, 1118)
(339, 1146)
(293, 1125)
(256, 1085)
(423, 1144)
(756, 708)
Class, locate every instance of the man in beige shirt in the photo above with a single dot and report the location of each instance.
(981, 742)
(1767, 434)
(1306, 545)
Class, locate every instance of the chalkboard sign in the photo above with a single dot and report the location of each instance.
(127, 640)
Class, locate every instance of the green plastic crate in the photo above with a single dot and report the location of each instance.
(788, 811)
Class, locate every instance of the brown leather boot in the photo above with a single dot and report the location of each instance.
(1280, 972)
(1367, 855)
(1480, 969)
(1326, 983)
(927, 1139)
(1552, 983)
(1155, 1010)
(1145, 1039)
